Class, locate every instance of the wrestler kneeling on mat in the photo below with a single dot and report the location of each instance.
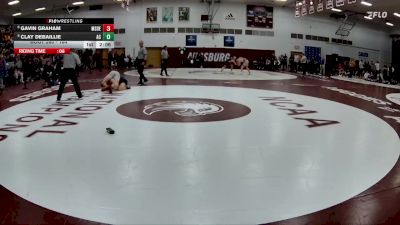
(231, 63)
(114, 81)
(241, 62)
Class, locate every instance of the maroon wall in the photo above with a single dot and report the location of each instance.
(215, 57)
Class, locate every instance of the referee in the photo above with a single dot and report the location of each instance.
(141, 61)
(69, 73)
(164, 60)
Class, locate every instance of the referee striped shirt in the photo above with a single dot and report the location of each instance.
(71, 60)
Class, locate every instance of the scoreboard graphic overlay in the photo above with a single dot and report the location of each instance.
(59, 35)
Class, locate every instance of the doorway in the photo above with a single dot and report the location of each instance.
(154, 57)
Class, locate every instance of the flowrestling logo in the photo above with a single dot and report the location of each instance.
(184, 108)
(380, 15)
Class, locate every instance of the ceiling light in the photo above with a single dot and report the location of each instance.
(78, 3)
(389, 24)
(336, 10)
(13, 2)
(366, 3)
(17, 14)
(40, 9)
(396, 14)
(368, 17)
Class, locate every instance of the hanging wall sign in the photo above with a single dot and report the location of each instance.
(320, 6)
(297, 9)
(304, 8)
(260, 16)
(329, 4)
(229, 41)
(311, 9)
(297, 12)
(339, 3)
(191, 40)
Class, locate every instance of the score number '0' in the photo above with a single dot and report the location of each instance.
(105, 36)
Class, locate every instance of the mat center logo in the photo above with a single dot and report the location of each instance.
(183, 110)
